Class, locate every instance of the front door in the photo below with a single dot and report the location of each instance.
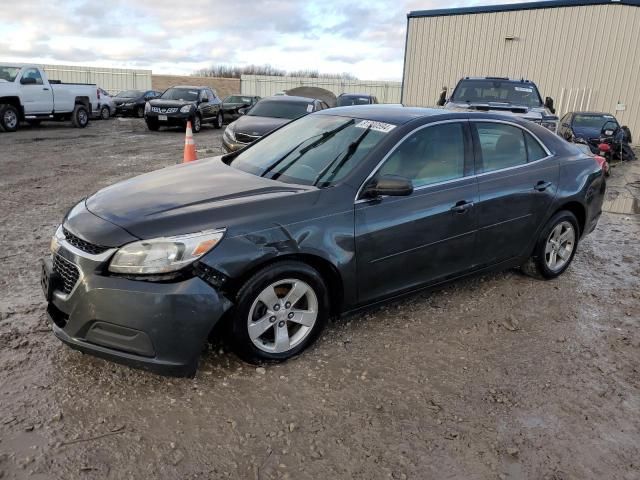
(517, 182)
(37, 97)
(406, 242)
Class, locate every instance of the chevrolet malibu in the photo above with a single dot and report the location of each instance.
(336, 211)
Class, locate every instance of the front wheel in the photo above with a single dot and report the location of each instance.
(555, 248)
(80, 116)
(140, 112)
(153, 125)
(196, 123)
(281, 310)
(9, 118)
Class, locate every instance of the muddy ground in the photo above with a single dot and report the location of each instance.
(499, 376)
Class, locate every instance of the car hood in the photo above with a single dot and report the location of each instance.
(193, 197)
(159, 102)
(522, 111)
(258, 126)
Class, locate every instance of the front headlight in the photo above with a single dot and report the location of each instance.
(185, 109)
(147, 107)
(163, 255)
(230, 134)
(550, 125)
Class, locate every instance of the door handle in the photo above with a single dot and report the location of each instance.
(462, 206)
(45, 88)
(541, 186)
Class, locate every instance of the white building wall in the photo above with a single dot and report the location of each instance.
(113, 80)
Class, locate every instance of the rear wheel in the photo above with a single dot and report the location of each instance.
(555, 247)
(281, 310)
(80, 116)
(217, 123)
(105, 113)
(9, 118)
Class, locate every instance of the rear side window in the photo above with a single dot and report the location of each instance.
(502, 146)
(430, 155)
(534, 149)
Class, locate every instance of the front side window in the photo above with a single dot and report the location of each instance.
(8, 74)
(430, 155)
(34, 74)
(316, 150)
(502, 146)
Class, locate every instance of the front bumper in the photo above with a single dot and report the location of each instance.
(229, 146)
(156, 326)
(173, 119)
(126, 109)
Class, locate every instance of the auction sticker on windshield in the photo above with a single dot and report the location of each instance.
(523, 89)
(377, 126)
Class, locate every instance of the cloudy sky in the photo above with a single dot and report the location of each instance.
(365, 38)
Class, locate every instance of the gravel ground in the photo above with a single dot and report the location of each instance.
(499, 376)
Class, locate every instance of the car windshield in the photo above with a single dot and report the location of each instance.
(130, 94)
(316, 150)
(185, 94)
(280, 109)
(8, 74)
(237, 99)
(350, 100)
(592, 121)
(497, 91)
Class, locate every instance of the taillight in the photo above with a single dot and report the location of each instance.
(604, 147)
(601, 161)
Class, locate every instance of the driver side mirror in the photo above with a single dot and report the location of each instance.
(243, 110)
(27, 81)
(443, 98)
(391, 185)
(204, 100)
(548, 103)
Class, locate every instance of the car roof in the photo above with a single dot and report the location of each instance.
(501, 79)
(355, 95)
(193, 87)
(398, 114)
(593, 113)
(289, 98)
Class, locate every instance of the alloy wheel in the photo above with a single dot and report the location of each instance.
(560, 245)
(10, 119)
(282, 315)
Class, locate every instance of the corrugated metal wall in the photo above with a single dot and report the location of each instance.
(264, 86)
(113, 80)
(585, 57)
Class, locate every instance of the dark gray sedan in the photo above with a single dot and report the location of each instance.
(330, 213)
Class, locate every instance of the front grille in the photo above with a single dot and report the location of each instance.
(164, 110)
(67, 271)
(244, 138)
(83, 244)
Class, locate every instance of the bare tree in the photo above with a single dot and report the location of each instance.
(231, 71)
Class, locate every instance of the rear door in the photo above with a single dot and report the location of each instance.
(517, 182)
(406, 242)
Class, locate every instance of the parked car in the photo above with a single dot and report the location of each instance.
(132, 102)
(267, 115)
(107, 105)
(335, 211)
(26, 94)
(502, 95)
(587, 125)
(233, 103)
(179, 104)
(348, 99)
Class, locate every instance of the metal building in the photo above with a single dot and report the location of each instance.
(113, 80)
(585, 54)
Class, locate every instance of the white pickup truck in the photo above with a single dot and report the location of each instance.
(26, 94)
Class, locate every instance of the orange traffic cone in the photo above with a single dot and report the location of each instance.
(190, 153)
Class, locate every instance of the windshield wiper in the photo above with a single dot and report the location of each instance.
(323, 138)
(351, 149)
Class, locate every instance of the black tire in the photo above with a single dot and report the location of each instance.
(249, 293)
(80, 116)
(196, 123)
(537, 266)
(153, 126)
(140, 112)
(9, 118)
(105, 113)
(218, 121)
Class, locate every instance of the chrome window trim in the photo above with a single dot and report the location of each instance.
(476, 120)
(395, 147)
(61, 241)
